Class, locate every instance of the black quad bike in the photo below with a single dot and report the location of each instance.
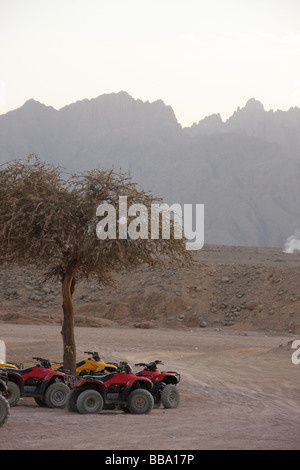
(46, 385)
(121, 389)
(164, 390)
(4, 405)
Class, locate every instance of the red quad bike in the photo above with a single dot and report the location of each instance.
(46, 385)
(4, 405)
(121, 389)
(165, 390)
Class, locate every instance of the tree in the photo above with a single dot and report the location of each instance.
(48, 220)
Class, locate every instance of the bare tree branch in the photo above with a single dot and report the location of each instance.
(48, 219)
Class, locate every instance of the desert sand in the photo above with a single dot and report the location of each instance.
(238, 391)
(239, 387)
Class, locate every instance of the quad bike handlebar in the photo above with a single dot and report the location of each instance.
(124, 367)
(44, 362)
(150, 366)
(94, 354)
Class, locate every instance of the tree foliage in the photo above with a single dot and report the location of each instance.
(48, 219)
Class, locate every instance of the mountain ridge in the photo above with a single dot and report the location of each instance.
(245, 170)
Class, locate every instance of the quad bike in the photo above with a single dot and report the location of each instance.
(46, 385)
(11, 365)
(122, 389)
(165, 390)
(4, 405)
(91, 365)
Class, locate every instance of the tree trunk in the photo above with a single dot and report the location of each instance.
(69, 351)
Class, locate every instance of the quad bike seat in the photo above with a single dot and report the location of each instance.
(80, 363)
(22, 371)
(100, 378)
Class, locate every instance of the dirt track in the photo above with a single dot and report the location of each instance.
(239, 390)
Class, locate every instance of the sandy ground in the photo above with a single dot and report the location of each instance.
(239, 390)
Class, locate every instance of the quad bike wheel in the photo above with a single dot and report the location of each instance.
(157, 401)
(140, 401)
(56, 394)
(71, 400)
(13, 393)
(89, 402)
(170, 396)
(39, 401)
(4, 410)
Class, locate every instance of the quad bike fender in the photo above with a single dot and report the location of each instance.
(107, 367)
(50, 379)
(54, 374)
(130, 387)
(82, 384)
(84, 365)
(6, 364)
(167, 378)
(3, 387)
(15, 377)
(142, 382)
(163, 379)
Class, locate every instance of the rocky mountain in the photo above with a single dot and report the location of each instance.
(246, 171)
(281, 127)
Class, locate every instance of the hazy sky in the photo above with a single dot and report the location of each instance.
(199, 56)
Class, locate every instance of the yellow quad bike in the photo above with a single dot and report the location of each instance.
(91, 365)
(10, 365)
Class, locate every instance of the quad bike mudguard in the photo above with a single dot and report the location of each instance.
(2, 387)
(10, 365)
